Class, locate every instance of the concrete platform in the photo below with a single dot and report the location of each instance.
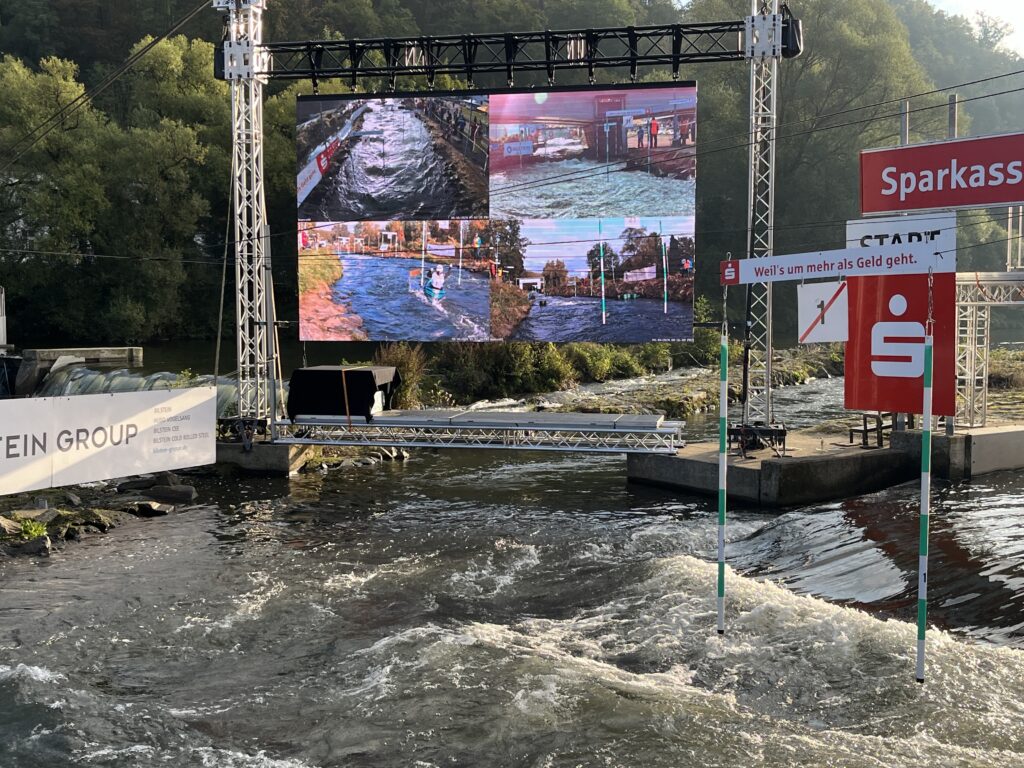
(969, 453)
(823, 468)
(816, 468)
(264, 458)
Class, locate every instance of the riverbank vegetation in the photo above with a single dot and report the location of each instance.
(113, 225)
(509, 306)
(460, 373)
(319, 269)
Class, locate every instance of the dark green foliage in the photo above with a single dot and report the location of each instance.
(411, 362)
(142, 175)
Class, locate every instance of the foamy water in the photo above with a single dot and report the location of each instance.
(515, 610)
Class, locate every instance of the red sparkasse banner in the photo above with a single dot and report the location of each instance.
(885, 351)
(960, 173)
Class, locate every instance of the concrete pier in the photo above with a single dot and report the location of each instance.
(970, 453)
(823, 468)
(264, 458)
(812, 470)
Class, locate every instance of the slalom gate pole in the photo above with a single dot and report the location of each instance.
(460, 252)
(423, 256)
(664, 263)
(926, 487)
(604, 306)
(723, 458)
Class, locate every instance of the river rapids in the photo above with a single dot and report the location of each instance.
(500, 609)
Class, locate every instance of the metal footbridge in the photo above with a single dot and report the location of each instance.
(457, 428)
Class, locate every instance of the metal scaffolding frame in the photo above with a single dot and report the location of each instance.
(248, 63)
(976, 294)
(764, 48)
(508, 53)
(586, 433)
(245, 66)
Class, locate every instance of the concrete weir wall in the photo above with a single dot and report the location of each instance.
(779, 482)
(805, 479)
(975, 452)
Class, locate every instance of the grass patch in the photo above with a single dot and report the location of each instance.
(509, 305)
(318, 269)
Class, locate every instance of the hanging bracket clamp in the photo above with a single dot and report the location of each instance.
(315, 53)
(763, 39)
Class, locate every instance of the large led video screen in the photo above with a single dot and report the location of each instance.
(556, 215)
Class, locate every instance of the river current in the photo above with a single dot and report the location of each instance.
(475, 608)
(578, 318)
(580, 189)
(388, 297)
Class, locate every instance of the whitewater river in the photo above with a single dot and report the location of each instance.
(393, 307)
(579, 189)
(578, 318)
(397, 173)
(479, 608)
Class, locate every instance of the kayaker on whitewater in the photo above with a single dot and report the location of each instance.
(437, 278)
(434, 288)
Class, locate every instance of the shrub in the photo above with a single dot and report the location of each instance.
(411, 362)
(625, 364)
(32, 529)
(591, 361)
(654, 356)
(553, 369)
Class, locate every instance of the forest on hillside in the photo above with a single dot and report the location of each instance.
(112, 227)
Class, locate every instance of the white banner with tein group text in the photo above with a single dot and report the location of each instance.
(52, 441)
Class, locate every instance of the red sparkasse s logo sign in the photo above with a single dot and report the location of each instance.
(961, 173)
(885, 351)
(730, 272)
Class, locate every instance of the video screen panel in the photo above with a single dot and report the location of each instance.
(564, 215)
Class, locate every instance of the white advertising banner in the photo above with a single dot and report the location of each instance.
(52, 441)
(912, 259)
(930, 230)
(822, 312)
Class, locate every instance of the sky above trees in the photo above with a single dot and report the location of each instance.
(1007, 10)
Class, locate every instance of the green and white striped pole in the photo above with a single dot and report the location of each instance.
(664, 263)
(604, 306)
(723, 425)
(926, 487)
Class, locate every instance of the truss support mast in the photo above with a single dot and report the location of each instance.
(245, 66)
(764, 42)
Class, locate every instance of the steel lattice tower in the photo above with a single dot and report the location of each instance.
(763, 48)
(245, 67)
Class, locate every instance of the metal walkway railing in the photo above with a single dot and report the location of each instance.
(583, 432)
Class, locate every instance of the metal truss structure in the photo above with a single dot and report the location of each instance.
(764, 48)
(509, 53)
(245, 66)
(976, 294)
(587, 433)
(248, 63)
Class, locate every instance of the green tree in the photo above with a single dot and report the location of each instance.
(506, 238)
(594, 257)
(555, 274)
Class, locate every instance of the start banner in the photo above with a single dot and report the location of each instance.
(52, 441)
(960, 173)
(908, 259)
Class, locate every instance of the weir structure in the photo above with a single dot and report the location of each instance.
(248, 63)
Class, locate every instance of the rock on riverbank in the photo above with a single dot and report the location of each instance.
(43, 522)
